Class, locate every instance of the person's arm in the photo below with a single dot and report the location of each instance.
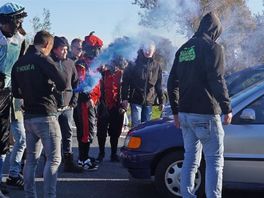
(15, 85)
(159, 89)
(215, 75)
(53, 72)
(95, 95)
(173, 87)
(173, 90)
(74, 82)
(125, 86)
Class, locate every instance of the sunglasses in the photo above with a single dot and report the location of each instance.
(78, 48)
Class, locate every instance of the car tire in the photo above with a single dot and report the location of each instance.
(168, 169)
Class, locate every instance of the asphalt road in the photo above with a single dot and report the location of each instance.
(110, 181)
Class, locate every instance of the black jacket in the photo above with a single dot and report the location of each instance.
(196, 83)
(141, 80)
(34, 77)
(67, 97)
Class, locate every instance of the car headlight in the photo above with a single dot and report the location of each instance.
(132, 142)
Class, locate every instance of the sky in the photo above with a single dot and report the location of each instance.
(109, 19)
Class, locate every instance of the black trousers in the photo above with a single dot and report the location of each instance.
(5, 108)
(110, 124)
(85, 121)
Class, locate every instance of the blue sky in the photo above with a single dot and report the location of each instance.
(108, 18)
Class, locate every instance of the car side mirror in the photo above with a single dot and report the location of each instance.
(248, 114)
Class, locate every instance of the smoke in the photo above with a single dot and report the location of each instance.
(128, 48)
(171, 15)
(241, 38)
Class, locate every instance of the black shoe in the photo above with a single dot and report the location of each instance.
(69, 165)
(115, 158)
(15, 181)
(3, 188)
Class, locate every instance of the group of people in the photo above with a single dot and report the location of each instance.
(40, 99)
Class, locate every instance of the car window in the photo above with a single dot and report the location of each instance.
(242, 80)
(258, 107)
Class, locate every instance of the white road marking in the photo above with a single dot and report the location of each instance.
(86, 179)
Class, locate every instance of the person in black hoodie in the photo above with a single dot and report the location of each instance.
(34, 78)
(198, 95)
(67, 101)
(141, 80)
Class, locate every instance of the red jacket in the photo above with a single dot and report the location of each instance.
(111, 85)
(82, 65)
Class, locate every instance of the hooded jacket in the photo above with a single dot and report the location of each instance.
(196, 83)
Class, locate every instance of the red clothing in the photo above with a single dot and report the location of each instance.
(111, 86)
(86, 114)
(82, 66)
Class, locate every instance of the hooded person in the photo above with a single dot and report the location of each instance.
(85, 112)
(198, 96)
(12, 45)
(110, 110)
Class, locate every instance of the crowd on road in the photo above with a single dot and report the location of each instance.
(40, 99)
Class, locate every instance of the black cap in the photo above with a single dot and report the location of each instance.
(60, 42)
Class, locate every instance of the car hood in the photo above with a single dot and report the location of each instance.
(153, 131)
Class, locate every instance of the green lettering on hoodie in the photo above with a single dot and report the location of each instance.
(187, 54)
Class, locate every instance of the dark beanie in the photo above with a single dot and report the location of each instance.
(60, 42)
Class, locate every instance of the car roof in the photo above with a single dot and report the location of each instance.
(249, 94)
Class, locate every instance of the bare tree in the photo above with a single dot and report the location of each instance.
(42, 24)
(242, 31)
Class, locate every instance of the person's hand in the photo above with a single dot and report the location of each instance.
(125, 104)
(227, 118)
(161, 107)
(90, 103)
(176, 121)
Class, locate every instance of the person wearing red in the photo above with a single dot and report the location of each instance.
(110, 111)
(85, 112)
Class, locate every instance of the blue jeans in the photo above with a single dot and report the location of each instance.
(65, 118)
(140, 113)
(42, 131)
(18, 132)
(202, 133)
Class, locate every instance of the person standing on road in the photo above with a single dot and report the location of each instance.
(197, 93)
(34, 78)
(12, 45)
(67, 101)
(110, 110)
(140, 82)
(85, 112)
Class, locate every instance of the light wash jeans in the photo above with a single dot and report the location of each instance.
(2, 161)
(42, 131)
(140, 113)
(18, 132)
(202, 133)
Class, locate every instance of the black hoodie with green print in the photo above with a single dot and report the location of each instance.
(196, 83)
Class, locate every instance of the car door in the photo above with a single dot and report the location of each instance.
(244, 146)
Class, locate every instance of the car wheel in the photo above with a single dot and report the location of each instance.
(168, 172)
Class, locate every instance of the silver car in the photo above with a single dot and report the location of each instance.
(159, 149)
